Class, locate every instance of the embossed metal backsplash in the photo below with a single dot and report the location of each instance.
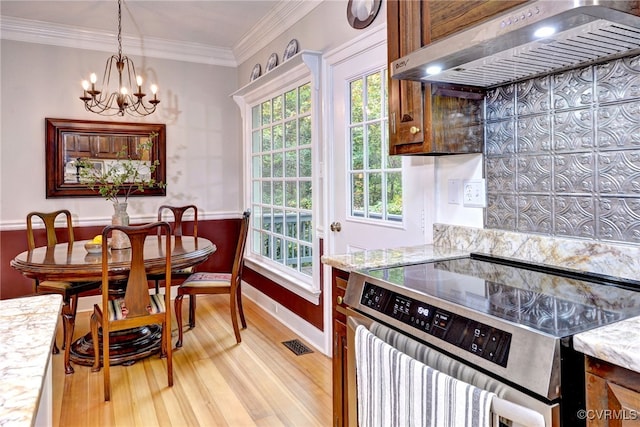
(562, 154)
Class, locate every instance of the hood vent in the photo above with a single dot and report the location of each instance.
(503, 50)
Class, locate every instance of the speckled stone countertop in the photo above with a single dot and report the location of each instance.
(618, 343)
(27, 329)
(374, 258)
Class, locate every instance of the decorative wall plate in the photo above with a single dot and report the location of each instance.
(361, 13)
(272, 62)
(290, 50)
(255, 73)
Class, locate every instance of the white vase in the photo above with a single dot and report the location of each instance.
(119, 240)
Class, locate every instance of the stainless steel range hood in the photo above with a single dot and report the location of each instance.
(504, 49)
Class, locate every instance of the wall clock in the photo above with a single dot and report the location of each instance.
(361, 13)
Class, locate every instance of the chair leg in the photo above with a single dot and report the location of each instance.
(178, 309)
(106, 371)
(240, 309)
(192, 311)
(234, 317)
(69, 321)
(95, 322)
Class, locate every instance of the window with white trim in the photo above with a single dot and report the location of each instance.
(281, 177)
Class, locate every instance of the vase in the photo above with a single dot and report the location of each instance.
(119, 240)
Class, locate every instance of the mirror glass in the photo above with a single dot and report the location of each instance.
(100, 144)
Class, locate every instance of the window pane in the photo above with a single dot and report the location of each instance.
(255, 165)
(291, 161)
(255, 117)
(266, 165)
(278, 250)
(393, 162)
(266, 192)
(266, 245)
(266, 218)
(305, 98)
(375, 193)
(257, 191)
(357, 194)
(278, 137)
(292, 225)
(292, 254)
(255, 141)
(266, 113)
(266, 139)
(304, 136)
(394, 193)
(357, 115)
(278, 195)
(305, 162)
(305, 227)
(290, 105)
(305, 195)
(306, 260)
(278, 226)
(290, 134)
(291, 194)
(278, 165)
(357, 148)
(374, 97)
(374, 146)
(277, 108)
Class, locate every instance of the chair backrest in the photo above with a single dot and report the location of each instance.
(137, 299)
(238, 261)
(178, 213)
(49, 220)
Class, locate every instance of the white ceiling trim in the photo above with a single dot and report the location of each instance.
(283, 16)
(30, 31)
(276, 22)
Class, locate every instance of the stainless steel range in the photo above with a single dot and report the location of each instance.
(507, 325)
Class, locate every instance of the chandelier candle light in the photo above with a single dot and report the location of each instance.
(125, 98)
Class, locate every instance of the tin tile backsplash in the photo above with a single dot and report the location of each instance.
(562, 154)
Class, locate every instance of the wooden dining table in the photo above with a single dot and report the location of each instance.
(73, 263)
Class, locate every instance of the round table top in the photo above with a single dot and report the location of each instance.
(73, 262)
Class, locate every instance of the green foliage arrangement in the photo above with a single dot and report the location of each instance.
(124, 177)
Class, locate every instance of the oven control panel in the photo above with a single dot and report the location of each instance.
(482, 340)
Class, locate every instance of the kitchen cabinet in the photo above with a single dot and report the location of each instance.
(339, 280)
(434, 118)
(612, 395)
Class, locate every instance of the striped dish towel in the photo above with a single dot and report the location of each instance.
(397, 390)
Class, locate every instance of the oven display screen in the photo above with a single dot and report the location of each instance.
(482, 340)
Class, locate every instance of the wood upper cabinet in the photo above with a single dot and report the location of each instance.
(434, 118)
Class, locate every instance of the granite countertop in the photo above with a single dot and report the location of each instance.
(27, 329)
(618, 343)
(375, 258)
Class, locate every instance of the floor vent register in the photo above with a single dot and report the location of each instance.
(297, 347)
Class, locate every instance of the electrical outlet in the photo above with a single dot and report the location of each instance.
(474, 194)
(454, 191)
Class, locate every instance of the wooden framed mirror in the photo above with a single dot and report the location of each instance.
(97, 142)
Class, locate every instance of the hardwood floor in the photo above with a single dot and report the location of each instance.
(217, 382)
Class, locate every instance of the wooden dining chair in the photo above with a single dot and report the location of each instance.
(137, 307)
(216, 283)
(177, 230)
(69, 290)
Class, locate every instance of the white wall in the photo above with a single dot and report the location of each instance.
(203, 139)
(459, 167)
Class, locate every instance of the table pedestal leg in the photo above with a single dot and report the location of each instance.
(125, 347)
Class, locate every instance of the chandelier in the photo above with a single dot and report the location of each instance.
(125, 98)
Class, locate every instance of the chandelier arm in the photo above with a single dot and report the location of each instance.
(128, 96)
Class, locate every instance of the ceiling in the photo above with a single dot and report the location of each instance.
(219, 24)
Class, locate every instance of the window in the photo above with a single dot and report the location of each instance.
(281, 191)
(375, 177)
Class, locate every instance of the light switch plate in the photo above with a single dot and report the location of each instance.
(474, 194)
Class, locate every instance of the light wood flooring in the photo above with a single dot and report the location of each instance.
(217, 382)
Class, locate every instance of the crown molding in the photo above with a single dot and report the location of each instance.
(31, 31)
(283, 16)
(275, 23)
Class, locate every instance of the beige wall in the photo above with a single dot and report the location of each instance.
(203, 140)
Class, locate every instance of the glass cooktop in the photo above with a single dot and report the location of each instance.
(550, 303)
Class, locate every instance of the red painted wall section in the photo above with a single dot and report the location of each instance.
(224, 233)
